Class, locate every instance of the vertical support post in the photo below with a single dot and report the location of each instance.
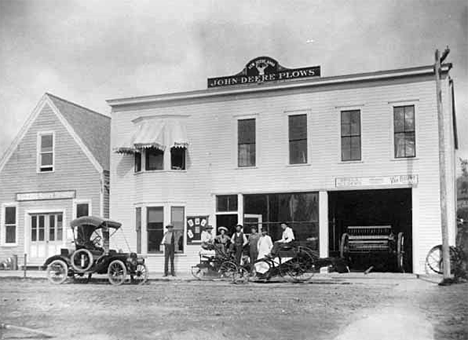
(323, 223)
(25, 265)
(442, 166)
(240, 209)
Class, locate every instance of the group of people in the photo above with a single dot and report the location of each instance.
(259, 245)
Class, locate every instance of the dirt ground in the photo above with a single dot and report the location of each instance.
(360, 309)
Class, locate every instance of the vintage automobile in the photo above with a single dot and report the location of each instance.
(92, 255)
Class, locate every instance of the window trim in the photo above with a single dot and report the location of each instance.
(3, 225)
(82, 201)
(338, 124)
(400, 103)
(38, 151)
(237, 119)
(308, 114)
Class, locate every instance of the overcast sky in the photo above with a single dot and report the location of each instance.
(89, 51)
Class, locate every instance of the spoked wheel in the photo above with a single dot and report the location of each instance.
(300, 268)
(434, 260)
(200, 273)
(117, 272)
(57, 272)
(344, 246)
(141, 274)
(241, 275)
(401, 257)
(227, 271)
(82, 260)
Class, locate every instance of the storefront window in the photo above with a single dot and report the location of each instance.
(404, 130)
(155, 228)
(351, 135)
(226, 203)
(246, 142)
(154, 159)
(298, 139)
(177, 220)
(299, 210)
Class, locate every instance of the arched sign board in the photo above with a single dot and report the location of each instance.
(264, 69)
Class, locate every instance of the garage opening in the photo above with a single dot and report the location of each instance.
(377, 219)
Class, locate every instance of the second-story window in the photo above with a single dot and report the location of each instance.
(246, 142)
(137, 161)
(178, 158)
(351, 135)
(46, 152)
(154, 159)
(404, 131)
(298, 139)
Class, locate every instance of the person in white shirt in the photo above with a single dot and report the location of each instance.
(288, 237)
(207, 241)
(264, 244)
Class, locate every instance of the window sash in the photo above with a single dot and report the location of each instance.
(138, 228)
(154, 159)
(298, 151)
(137, 161)
(351, 135)
(82, 209)
(178, 221)
(178, 158)
(246, 156)
(226, 203)
(9, 220)
(404, 131)
(154, 228)
(46, 152)
(246, 131)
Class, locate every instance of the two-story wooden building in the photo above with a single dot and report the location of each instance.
(272, 144)
(56, 169)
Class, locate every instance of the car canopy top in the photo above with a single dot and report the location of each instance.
(96, 222)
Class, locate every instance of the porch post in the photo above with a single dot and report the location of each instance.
(323, 223)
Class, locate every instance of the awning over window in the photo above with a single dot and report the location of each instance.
(155, 133)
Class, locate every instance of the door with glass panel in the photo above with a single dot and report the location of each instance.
(46, 236)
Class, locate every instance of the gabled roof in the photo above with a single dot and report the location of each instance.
(90, 130)
(92, 127)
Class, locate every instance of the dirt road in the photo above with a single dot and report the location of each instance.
(218, 310)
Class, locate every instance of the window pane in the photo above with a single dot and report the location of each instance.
(154, 159)
(10, 234)
(345, 129)
(355, 123)
(59, 227)
(246, 131)
(345, 117)
(399, 145)
(82, 209)
(410, 150)
(178, 158)
(298, 152)
(155, 215)
(10, 215)
(46, 143)
(345, 148)
(33, 228)
(297, 127)
(409, 118)
(137, 161)
(41, 227)
(226, 203)
(246, 155)
(355, 148)
(154, 240)
(155, 232)
(51, 227)
(177, 219)
(46, 159)
(138, 228)
(399, 119)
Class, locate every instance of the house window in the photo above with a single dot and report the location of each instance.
(178, 158)
(226, 203)
(154, 159)
(246, 142)
(177, 220)
(138, 229)
(298, 139)
(137, 161)
(46, 152)
(82, 209)
(404, 131)
(155, 228)
(10, 223)
(351, 135)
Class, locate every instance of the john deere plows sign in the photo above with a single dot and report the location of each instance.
(264, 69)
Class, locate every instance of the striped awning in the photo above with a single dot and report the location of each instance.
(155, 133)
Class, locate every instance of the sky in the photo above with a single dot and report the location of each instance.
(88, 51)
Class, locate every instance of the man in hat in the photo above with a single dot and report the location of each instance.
(169, 248)
(239, 241)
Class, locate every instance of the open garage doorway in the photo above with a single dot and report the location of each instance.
(389, 207)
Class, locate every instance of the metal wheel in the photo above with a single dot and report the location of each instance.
(434, 261)
(227, 271)
(141, 274)
(200, 273)
(82, 260)
(300, 268)
(57, 272)
(401, 252)
(344, 246)
(117, 272)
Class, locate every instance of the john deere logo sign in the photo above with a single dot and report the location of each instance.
(264, 69)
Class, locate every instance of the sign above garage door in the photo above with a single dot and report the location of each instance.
(376, 181)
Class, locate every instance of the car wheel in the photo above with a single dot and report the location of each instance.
(116, 272)
(57, 272)
(141, 274)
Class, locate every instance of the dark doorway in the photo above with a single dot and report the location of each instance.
(228, 221)
(371, 208)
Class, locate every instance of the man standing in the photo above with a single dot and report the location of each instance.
(239, 241)
(168, 241)
(288, 237)
(253, 244)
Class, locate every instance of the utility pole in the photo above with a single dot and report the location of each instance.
(443, 177)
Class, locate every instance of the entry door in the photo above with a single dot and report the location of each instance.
(253, 220)
(46, 236)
